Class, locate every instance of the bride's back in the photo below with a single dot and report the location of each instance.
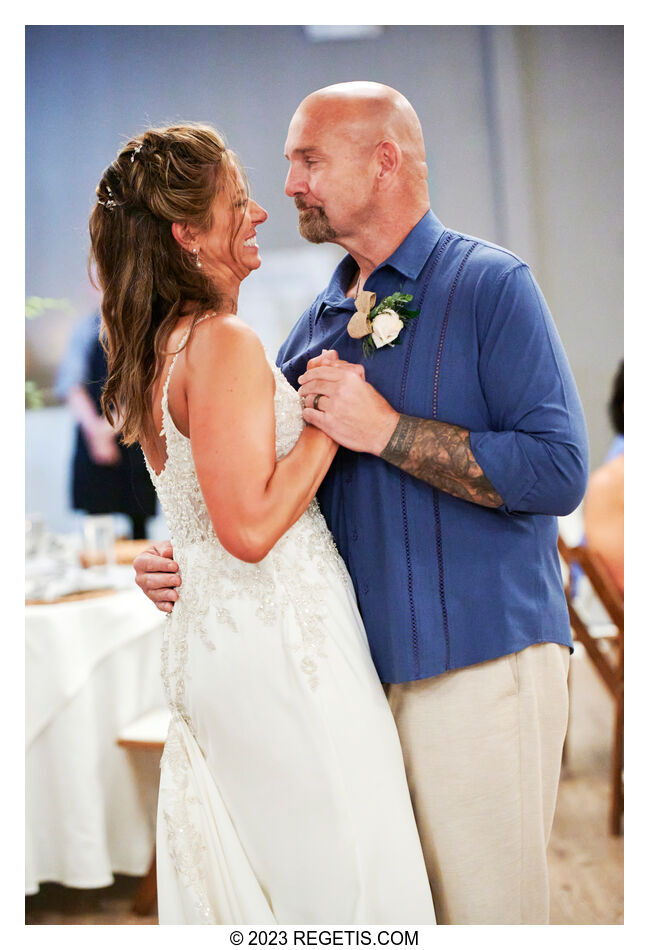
(172, 378)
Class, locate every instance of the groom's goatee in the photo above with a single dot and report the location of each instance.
(314, 225)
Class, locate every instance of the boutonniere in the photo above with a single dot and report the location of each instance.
(380, 325)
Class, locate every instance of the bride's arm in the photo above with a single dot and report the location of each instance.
(251, 497)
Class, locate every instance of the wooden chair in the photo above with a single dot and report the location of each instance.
(605, 649)
(148, 732)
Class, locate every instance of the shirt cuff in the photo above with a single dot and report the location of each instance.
(505, 464)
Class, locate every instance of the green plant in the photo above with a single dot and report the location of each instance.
(33, 395)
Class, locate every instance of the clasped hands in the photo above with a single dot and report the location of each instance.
(350, 410)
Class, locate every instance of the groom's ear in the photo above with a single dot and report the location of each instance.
(389, 158)
(184, 235)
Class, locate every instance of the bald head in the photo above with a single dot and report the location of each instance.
(367, 113)
(357, 166)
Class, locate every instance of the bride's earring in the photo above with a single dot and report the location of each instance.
(197, 261)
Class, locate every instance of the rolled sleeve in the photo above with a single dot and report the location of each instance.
(73, 368)
(536, 452)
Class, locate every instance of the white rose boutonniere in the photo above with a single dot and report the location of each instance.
(381, 325)
(386, 327)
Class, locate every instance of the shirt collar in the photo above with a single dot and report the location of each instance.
(408, 259)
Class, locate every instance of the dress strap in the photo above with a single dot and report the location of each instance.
(164, 400)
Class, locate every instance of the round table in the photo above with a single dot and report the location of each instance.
(92, 667)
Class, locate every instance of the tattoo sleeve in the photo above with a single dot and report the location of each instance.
(440, 454)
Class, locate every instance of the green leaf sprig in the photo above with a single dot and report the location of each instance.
(396, 302)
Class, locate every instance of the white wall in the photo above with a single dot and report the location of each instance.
(574, 92)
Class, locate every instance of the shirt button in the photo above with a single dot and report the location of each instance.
(354, 535)
(348, 479)
(366, 588)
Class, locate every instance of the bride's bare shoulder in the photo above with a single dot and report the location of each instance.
(225, 332)
(224, 336)
(228, 345)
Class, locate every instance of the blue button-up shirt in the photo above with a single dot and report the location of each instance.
(443, 583)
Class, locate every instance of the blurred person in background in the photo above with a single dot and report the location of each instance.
(107, 477)
(604, 502)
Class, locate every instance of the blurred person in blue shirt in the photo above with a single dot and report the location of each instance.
(462, 440)
(107, 477)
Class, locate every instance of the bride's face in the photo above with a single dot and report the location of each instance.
(231, 243)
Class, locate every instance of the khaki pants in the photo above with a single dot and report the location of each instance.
(482, 750)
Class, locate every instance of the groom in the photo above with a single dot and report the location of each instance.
(461, 445)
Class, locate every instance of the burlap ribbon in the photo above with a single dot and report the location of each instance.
(359, 325)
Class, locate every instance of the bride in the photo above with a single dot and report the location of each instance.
(283, 796)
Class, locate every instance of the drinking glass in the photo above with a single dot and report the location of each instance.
(98, 541)
(34, 535)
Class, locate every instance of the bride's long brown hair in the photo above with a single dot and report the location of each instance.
(147, 279)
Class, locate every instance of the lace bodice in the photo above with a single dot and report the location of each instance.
(214, 580)
(177, 484)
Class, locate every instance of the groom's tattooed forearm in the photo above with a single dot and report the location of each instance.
(440, 454)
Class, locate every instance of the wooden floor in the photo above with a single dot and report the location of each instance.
(586, 864)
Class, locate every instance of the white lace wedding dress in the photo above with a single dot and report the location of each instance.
(283, 797)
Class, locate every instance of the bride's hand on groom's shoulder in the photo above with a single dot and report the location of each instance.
(156, 575)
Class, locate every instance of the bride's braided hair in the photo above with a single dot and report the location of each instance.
(147, 279)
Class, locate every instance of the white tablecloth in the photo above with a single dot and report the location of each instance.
(92, 667)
